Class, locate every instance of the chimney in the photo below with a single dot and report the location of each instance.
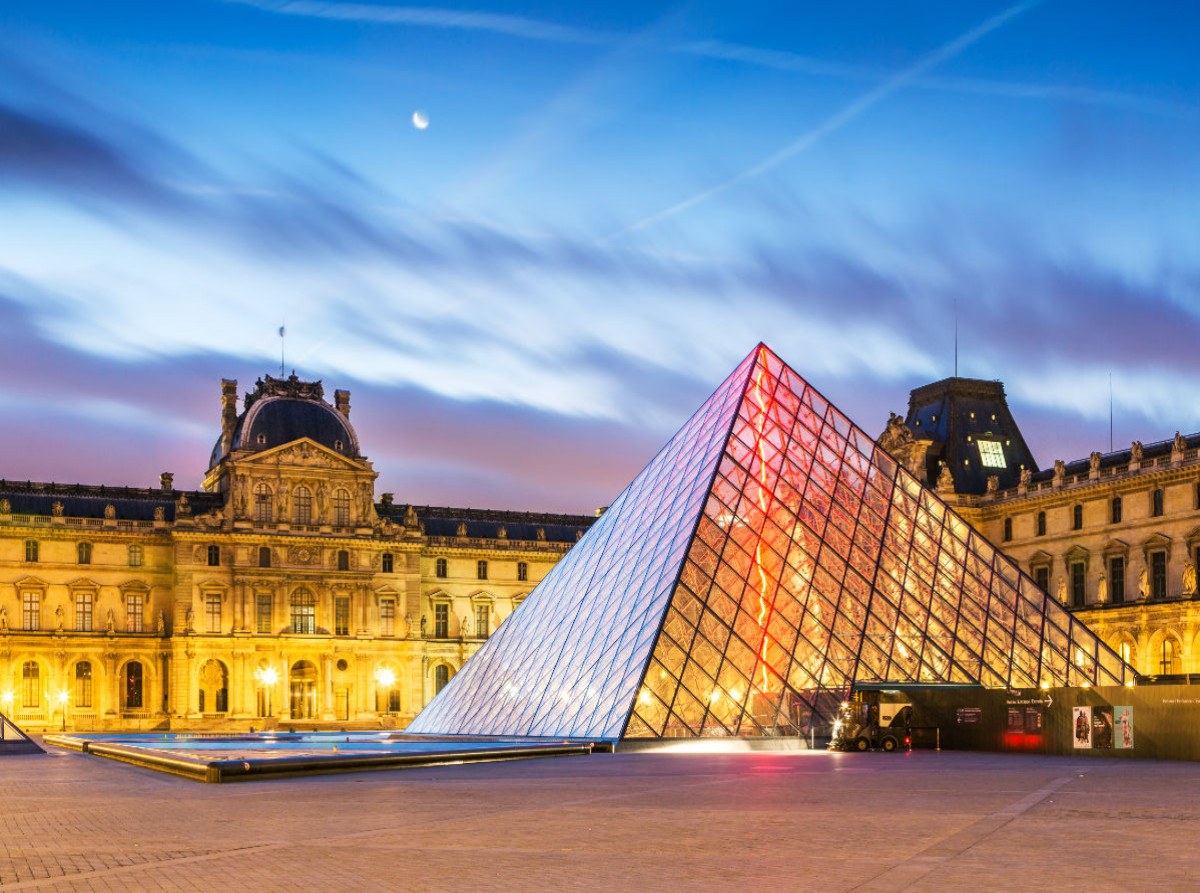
(341, 402)
(166, 481)
(228, 411)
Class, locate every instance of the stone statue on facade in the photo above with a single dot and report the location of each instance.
(5, 507)
(1189, 580)
(410, 517)
(3, 619)
(465, 626)
(188, 620)
(110, 623)
(896, 436)
(110, 512)
(1135, 451)
(424, 620)
(1102, 590)
(161, 626)
(945, 481)
(160, 513)
(462, 529)
(58, 619)
(183, 508)
(1094, 460)
(1026, 477)
(1143, 584)
(1062, 590)
(57, 509)
(1180, 443)
(993, 484)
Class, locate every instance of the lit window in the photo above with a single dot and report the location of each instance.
(441, 621)
(341, 616)
(341, 508)
(991, 454)
(212, 612)
(136, 556)
(134, 612)
(483, 614)
(262, 503)
(31, 684)
(303, 505)
(481, 569)
(133, 685)
(31, 611)
(83, 612)
(387, 617)
(83, 684)
(262, 609)
(304, 612)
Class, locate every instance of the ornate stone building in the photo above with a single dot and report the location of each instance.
(284, 591)
(1114, 537)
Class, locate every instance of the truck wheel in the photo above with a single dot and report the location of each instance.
(889, 744)
(862, 745)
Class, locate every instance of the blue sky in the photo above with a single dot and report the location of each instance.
(610, 206)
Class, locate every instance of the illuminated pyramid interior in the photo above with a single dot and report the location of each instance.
(769, 557)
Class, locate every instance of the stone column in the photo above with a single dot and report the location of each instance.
(327, 707)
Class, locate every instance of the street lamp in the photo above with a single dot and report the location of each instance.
(6, 698)
(385, 679)
(63, 697)
(266, 678)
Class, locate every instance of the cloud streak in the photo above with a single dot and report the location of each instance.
(839, 119)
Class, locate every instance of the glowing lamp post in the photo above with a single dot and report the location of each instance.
(385, 679)
(6, 700)
(266, 678)
(63, 697)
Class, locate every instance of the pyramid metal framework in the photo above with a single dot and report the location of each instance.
(769, 557)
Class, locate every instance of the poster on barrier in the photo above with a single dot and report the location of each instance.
(1102, 728)
(1123, 728)
(1083, 727)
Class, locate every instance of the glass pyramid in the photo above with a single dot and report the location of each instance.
(769, 557)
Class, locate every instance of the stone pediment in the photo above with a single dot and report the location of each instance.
(1115, 547)
(30, 582)
(304, 453)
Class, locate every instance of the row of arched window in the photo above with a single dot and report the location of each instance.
(302, 505)
(83, 553)
(81, 692)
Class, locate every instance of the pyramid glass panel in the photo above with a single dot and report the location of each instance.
(766, 560)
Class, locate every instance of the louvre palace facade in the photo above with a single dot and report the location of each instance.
(1115, 537)
(286, 590)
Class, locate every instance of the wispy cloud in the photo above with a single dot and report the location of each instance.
(431, 17)
(839, 119)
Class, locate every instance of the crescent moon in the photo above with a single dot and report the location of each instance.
(420, 120)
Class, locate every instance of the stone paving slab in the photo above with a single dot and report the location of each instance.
(787, 821)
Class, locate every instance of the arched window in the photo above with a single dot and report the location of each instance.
(1116, 510)
(341, 508)
(1126, 652)
(133, 685)
(522, 571)
(1041, 523)
(441, 675)
(262, 503)
(31, 684)
(440, 568)
(1156, 503)
(1077, 517)
(481, 569)
(304, 612)
(343, 560)
(83, 552)
(83, 684)
(388, 563)
(264, 556)
(303, 505)
(136, 555)
(1169, 662)
(1007, 529)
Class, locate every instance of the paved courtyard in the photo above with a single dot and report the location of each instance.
(806, 821)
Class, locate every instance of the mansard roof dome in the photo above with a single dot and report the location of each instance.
(280, 411)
